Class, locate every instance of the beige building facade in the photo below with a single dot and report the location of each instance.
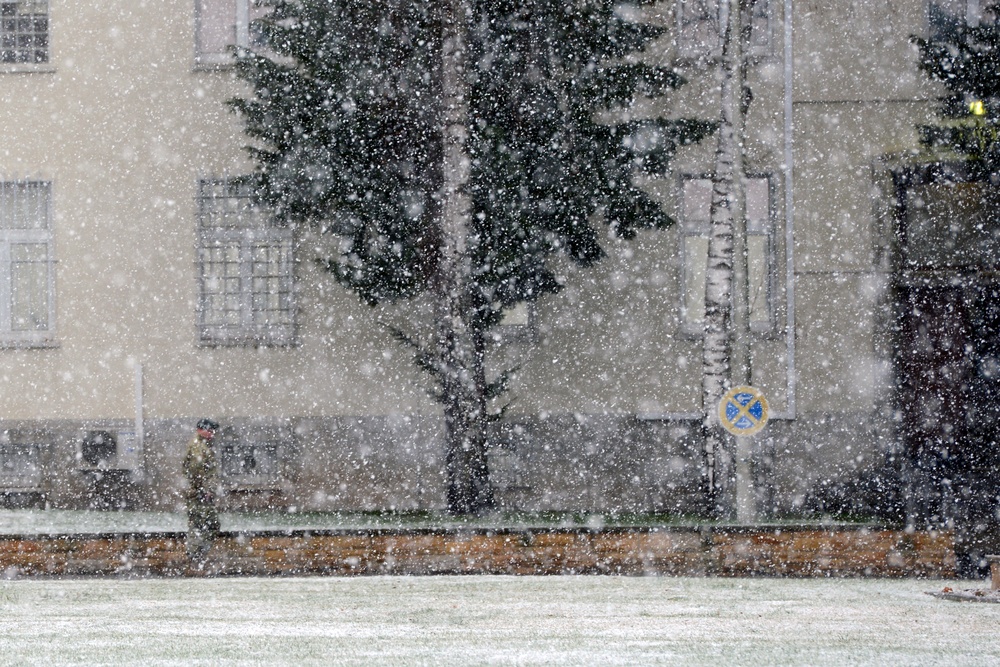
(134, 276)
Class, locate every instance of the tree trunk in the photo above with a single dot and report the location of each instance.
(460, 346)
(725, 352)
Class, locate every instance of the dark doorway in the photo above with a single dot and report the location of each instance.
(947, 359)
(949, 402)
(98, 449)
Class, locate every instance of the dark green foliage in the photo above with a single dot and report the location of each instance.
(546, 173)
(347, 116)
(347, 137)
(966, 60)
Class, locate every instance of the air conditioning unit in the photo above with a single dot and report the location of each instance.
(110, 450)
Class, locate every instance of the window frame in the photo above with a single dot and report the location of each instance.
(21, 481)
(245, 12)
(687, 46)
(692, 49)
(275, 442)
(762, 9)
(248, 331)
(939, 26)
(241, 479)
(519, 323)
(973, 15)
(39, 235)
(18, 65)
(701, 229)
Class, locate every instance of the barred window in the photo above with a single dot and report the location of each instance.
(220, 24)
(24, 31)
(696, 227)
(26, 284)
(246, 270)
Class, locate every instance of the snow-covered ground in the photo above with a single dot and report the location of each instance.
(493, 621)
(82, 521)
(50, 522)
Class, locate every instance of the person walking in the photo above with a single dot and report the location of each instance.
(201, 471)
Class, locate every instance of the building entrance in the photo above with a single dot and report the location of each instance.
(948, 374)
(947, 359)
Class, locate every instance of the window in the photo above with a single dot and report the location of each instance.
(250, 463)
(246, 269)
(24, 32)
(506, 469)
(99, 449)
(26, 306)
(518, 324)
(695, 225)
(20, 467)
(518, 315)
(220, 24)
(945, 16)
(698, 28)
(760, 28)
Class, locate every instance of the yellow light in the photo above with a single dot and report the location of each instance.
(977, 108)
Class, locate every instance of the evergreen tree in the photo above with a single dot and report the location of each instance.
(455, 146)
(966, 59)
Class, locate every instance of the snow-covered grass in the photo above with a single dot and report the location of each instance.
(51, 522)
(492, 621)
(35, 522)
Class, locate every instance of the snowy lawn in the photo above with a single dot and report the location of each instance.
(51, 522)
(82, 521)
(493, 621)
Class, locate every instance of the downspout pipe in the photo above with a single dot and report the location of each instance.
(139, 428)
(789, 72)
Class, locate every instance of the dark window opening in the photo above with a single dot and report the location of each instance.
(99, 448)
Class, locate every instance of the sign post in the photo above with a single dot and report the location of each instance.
(743, 411)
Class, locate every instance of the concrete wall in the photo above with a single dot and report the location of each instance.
(123, 124)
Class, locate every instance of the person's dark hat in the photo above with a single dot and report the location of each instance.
(207, 425)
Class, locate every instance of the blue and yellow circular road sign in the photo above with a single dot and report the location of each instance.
(743, 411)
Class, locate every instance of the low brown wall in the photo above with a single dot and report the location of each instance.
(696, 551)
